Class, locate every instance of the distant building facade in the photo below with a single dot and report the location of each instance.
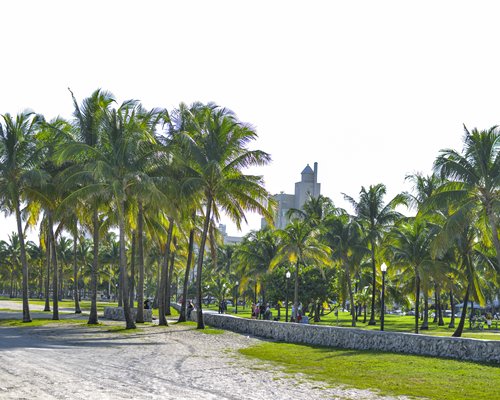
(228, 239)
(307, 187)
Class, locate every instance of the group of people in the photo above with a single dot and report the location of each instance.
(261, 311)
(485, 318)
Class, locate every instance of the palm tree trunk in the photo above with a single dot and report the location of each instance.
(425, 323)
(452, 306)
(132, 271)
(374, 288)
(40, 280)
(129, 323)
(494, 233)
(417, 301)
(169, 282)
(93, 272)
(183, 313)
(351, 294)
(75, 275)
(55, 283)
(162, 292)
(140, 265)
(461, 324)
(26, 307)
(440, 308)
(60, 291)
(436, 304)
(47, 278)
(199, 306)
(156, 300)
(11, 295)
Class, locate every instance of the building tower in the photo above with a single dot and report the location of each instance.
(307, 187)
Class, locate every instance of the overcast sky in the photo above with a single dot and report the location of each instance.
(371, 90)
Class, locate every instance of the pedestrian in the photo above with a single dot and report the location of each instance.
(267, 313)
(190, 308)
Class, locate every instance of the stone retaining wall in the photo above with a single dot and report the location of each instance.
(351, 338)
(117, 314)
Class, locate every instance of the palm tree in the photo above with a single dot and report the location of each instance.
(314, 210)
(299, 244)
(215, 154)
(375, 217)
(344, 236)
(88, 132)
(458, 231)
(409, 246)
(474, 178)
(17, 158)
(253, 257)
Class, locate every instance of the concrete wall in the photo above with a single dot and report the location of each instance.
(117, 314)
(350, 338)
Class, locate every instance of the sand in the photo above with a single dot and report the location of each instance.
(64, 361)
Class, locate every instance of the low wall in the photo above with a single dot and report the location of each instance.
(351, 338)
(117, 314)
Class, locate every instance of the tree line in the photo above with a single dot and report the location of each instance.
(128, 199)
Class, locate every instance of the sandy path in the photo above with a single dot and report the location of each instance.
(79, 362)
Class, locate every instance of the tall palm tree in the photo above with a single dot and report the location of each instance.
(299, 244)
(314, 210)
(375, 217)
(17, 157)
(254, 255)
(216, 152)
(88, 129)
(460, 231)
(344, 236)
(409, 246)
(474, 178)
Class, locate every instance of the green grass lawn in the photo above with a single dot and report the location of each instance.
(388, 373)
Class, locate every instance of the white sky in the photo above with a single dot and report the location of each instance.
(371, 90)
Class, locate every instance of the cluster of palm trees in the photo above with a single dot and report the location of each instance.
(447, 248)
(160, 178)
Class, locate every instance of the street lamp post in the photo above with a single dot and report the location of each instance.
(287, 276)
(237, 292)
(383, 268)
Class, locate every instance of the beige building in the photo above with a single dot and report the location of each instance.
(308, 186)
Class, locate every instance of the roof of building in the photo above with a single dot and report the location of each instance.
(307, 170)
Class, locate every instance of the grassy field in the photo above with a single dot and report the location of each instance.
(391, 374)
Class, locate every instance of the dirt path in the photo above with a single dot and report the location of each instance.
(65, 361)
